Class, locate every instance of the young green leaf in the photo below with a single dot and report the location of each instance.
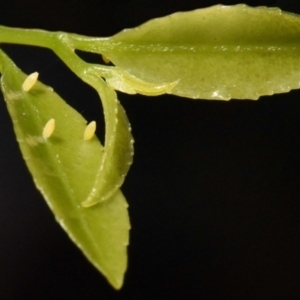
(220, 52)
(64, 167)
(118, 150)
(121, 80)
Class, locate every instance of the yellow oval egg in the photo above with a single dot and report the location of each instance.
(89, 131)
(30, 81)
(105, 59)
(49, 128)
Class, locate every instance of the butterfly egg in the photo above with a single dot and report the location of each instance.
(105, 59)
(49, 128)
(30, 81)
(89, 131)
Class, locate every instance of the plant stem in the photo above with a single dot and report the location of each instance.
(42, 38)
(63, 45)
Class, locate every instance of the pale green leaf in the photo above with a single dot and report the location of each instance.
(64, 167)
(220, 52)
(122, 81)
(118, 150)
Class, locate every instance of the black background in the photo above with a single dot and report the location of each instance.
(213, 191)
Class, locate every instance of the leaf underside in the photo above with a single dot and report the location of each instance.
(63, 168)
(220, 52)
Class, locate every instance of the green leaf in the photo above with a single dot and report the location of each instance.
(64, 167)
(118, 150)
(122, 81)
(220, 52)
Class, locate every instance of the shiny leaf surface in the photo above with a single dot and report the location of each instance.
(220, 52)
(64, 167)
(118, 150)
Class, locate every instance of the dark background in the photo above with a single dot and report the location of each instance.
(213, 191)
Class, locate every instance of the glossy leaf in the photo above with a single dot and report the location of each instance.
(220, 52)
(118, 150)
(122, 81)
(64, 167)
